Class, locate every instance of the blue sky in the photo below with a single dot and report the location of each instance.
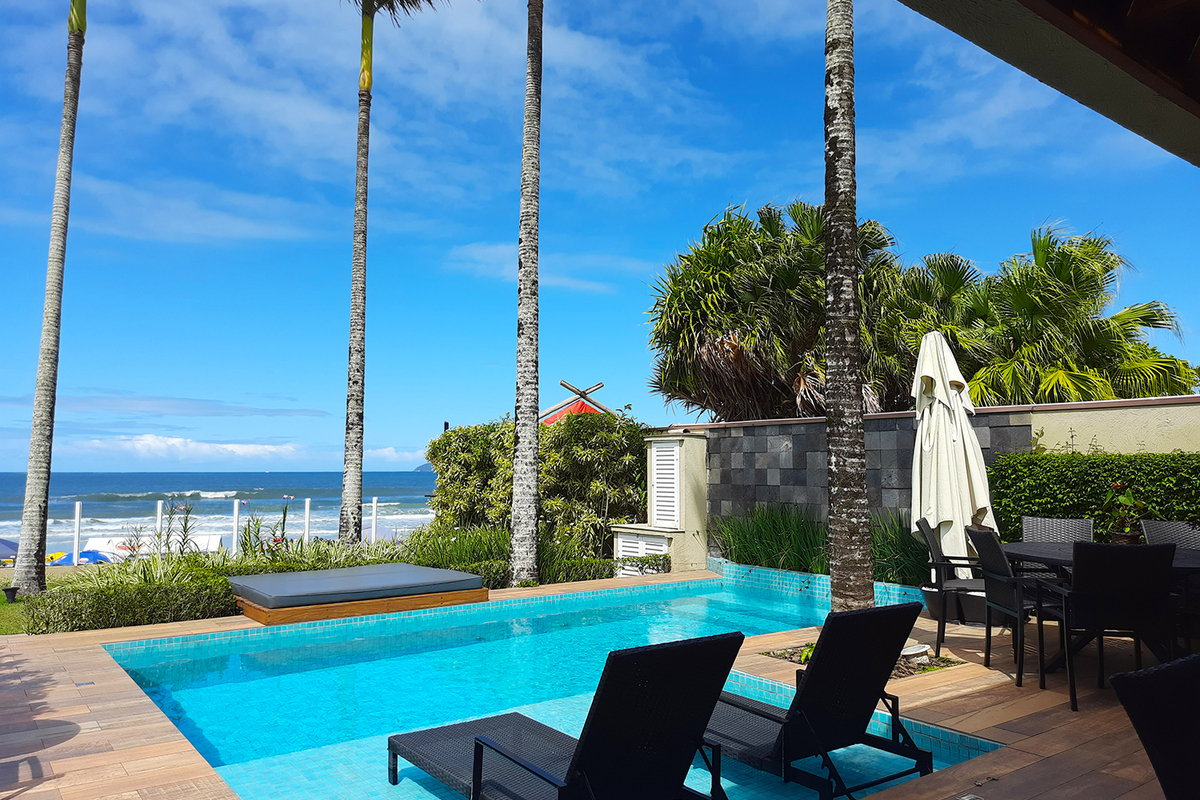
(207, 288)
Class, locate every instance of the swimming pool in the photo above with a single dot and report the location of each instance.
(303, 711)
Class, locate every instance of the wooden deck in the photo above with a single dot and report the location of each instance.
(74, 725)
(1052, 753)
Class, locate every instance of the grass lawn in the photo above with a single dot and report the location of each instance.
(11, 618)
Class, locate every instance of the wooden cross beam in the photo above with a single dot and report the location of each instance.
(580, 394)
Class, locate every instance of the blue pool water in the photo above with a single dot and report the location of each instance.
(303, 711)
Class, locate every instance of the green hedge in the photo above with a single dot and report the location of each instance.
(1074, 485)
(592, 475)
(84, 608)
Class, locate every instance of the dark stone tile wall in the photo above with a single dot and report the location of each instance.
(787, 462)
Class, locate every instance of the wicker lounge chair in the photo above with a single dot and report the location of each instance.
(1116, 589)
(945, 581)
(642, 733)
(1163, 704)
(836, 697)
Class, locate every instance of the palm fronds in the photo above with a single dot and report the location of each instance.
(737, 324)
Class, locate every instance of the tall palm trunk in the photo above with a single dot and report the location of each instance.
(350, 521)
(29, 574)
(525, 451)
(850, 565)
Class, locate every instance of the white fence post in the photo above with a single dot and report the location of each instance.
(78, 524)
(236, 509)
(158, 531)
(307, 515)
(374, 516)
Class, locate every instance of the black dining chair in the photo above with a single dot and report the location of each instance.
(1180, 534)
(1008, 594)
(945, 579)
(1115, 590)
(1051, 529)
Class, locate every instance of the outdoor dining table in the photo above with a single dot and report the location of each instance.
(1059, 556)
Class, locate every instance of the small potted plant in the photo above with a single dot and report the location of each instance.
(1122, 511)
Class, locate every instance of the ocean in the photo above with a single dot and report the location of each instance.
(115, 502)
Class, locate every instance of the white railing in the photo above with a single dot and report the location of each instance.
(158, 523)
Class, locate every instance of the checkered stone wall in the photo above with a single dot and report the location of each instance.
(786, 462)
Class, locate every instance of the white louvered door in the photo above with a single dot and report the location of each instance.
(664, 485)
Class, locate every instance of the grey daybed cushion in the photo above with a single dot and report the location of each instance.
(288, 589)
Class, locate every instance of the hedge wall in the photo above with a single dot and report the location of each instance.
(1074, 485)
(85, 608)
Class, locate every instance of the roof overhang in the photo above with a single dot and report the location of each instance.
(1137, 62)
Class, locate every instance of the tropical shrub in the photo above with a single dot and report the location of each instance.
(592, 475)
(1077, 485)
(648, 565)
(791, 538)
(737, 324)
(85, 607)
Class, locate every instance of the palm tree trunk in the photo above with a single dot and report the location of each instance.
(850, 565)
(29, 573)
(525, 449)
(350, 520)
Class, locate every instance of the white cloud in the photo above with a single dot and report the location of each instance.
(577, 271)
(150, 446)
(190, 211)
(392, 456)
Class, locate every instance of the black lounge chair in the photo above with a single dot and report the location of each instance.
(945, 579)
(1163, 703)
(836, 697)
(642, 733)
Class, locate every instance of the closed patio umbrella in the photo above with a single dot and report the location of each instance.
(950, 485)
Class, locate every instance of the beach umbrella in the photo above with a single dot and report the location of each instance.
(85, 557)
(950, 485)
(8, 548)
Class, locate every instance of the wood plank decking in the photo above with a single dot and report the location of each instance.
(74, 726)
(1051, 753)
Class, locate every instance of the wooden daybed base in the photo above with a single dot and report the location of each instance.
(358, 608)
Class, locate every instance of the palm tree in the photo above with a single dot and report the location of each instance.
(29, 573)
(738, 321)
(350, 521)
(850, 565)
(525, 447)
(1038, 331)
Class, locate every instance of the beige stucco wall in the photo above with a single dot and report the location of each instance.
(1132, 429)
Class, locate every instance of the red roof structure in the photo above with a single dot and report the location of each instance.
(580, 403)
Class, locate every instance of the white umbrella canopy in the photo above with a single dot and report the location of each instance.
(950, 485)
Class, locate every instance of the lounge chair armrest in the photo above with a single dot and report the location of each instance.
(477, 767)
(714, 768)
(739, 703)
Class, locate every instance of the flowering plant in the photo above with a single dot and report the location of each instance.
(1122, 510)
